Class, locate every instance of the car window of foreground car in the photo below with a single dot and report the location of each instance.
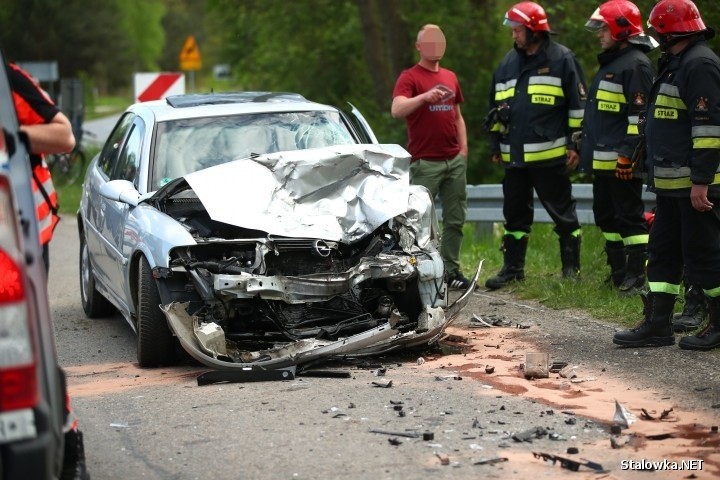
(192, 144)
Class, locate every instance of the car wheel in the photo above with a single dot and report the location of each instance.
(156, 344)
(93, 302)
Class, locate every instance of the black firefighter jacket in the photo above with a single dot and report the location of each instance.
(543, 95)
(683, 124)
(617, 96)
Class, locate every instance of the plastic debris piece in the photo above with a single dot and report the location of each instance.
(660, 436)
(491, 461)
(528, 435)
(387, 384)
(120, 425)
(420, 361)
(448, 377)
(477, 319)
(394, 441)
(427, 436)
(572, 450)
(617, 442)
(571, 420)
(536, 365)
(489, 369)
(557, 366)
(396, 434)
(568, 372)
(623, 416)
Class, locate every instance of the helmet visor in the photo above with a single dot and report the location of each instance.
(510, 23)
(595, 25)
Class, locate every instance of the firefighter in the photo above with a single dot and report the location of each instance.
(616, 99)
(48, 130)
(537, 97)
(683, 157)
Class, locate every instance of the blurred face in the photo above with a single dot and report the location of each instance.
(519, 35)
(431, 44)
(606, 40)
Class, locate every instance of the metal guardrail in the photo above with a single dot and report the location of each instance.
(485, 204)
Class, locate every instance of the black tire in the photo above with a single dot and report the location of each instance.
(93, 302)
(66, 168)
(155, 342)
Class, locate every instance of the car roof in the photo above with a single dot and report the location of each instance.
(200, 105)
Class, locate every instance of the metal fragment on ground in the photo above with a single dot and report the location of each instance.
(396, 434)
(623, 416)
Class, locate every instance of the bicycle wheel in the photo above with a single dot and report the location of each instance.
(66, 168)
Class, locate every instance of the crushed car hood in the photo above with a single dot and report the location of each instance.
(340, 193)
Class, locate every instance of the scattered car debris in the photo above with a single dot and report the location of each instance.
(623, 416)
(583, 380)
(427, 436)
(380, 372)
(571, 420)
(568, 372)
(617, 441)
(420, 361)
(665, 415)
(616, 429)
(660, 436)
(387, 384)
(324, 373)
(528, 435)
(572, 450)
(489, 369)
(397, 434)
(491, 461)
(569, 463)
(246, 374)
(448, 377)
(556, 366)
(394, 441)
(444, 459)
(536, 365)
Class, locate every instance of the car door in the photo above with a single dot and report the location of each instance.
(95, 206)
(116, 236)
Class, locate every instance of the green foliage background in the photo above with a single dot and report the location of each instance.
(331, 51)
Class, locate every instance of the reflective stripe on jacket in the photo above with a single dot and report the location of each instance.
(683, 124)
(545, 93)
(618, 94)
(46, 204)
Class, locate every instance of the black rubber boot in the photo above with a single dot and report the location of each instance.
(656, 327)
(709, 337)
(617, 259)
(514, 262)
(694, 311)
(634, 281)
(570, 256)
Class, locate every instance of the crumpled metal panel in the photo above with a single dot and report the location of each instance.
(340, 193)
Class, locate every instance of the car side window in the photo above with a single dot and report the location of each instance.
(128, 160)
(111, 150)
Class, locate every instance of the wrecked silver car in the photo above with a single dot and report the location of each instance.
(260, 253)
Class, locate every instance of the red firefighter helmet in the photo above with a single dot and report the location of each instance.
(622, 18)
(528, 14)
(676, 16)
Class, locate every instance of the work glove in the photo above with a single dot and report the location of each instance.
(624, 168)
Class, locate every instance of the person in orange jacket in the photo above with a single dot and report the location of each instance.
(48, 130)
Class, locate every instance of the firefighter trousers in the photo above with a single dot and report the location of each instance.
(554, 190)
(619, 209)
(680, 234)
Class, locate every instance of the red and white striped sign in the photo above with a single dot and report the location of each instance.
(156, 86)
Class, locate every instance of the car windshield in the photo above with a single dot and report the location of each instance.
(188, 145)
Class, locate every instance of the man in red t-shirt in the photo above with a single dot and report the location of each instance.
(48, 131)
(428, 97)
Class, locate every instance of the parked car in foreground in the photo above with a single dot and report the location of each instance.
(39, 438)
(259, 229)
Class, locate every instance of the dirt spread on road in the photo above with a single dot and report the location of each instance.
(682, 435)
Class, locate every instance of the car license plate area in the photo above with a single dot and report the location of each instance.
(17, 425)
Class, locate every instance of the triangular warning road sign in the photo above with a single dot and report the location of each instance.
(190, 55)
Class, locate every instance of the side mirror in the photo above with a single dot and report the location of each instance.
(121, 191)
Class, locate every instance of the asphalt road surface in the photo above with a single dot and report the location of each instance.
(158, 423)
